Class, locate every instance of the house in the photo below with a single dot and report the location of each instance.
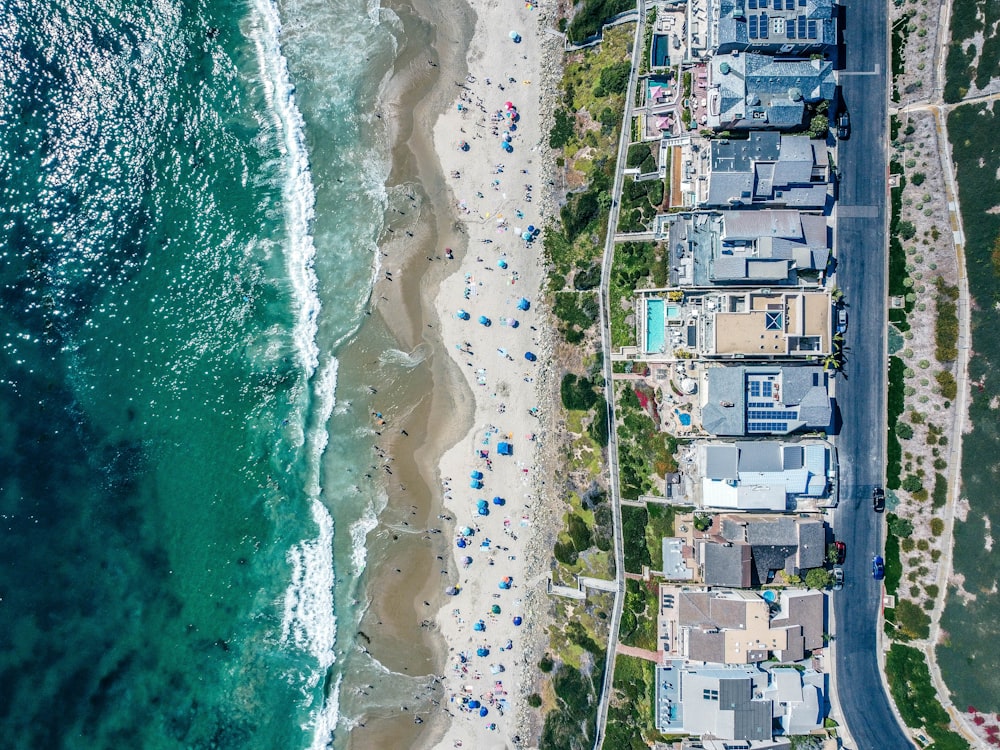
(763, 400)
(765, 324)
(790, 28)
(751, 91)
(791, 544)
(744, 248)
(740, 703)
(722, 626)
(722, 702)
(767, 169)
(762, 475)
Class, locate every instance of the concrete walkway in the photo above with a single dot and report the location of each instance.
(640, 653)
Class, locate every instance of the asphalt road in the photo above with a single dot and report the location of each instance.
(861, 274)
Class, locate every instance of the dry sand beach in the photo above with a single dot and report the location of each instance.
(499, 502)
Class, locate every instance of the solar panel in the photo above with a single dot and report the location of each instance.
(763, 25)
(763, 3)
(802, 27)
(789, 4)
(812, 29)
(752, 4)
(768, 427)
(766, 388)
(790, 29)
(802, 3)
(752, 32)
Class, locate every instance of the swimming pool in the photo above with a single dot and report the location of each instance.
(673, 311)
(655, 326)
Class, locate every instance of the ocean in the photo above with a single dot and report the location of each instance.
(191, 198)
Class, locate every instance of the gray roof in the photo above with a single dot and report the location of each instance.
(765, 169)
(751, 719)
(801, 387)
(741, 21)
(758, 91)
(759, 455)
(780, 543)
(722, 462)
(812, 544)
(727, 565)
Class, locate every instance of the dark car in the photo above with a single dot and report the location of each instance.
(838, 578)
(841, 552)
(878, 568)
(878, 499)
(843, 126)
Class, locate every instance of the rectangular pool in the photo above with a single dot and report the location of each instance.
(655, 326)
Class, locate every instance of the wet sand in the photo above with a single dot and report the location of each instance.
(431, 404)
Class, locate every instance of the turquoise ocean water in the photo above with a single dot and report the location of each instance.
(191, 193)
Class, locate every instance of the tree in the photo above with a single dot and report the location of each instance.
(817, 578)
(703, 522)
(818, 126)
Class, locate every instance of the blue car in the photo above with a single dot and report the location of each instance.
(878, 568)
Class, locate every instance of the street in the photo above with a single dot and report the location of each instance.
(861, 392)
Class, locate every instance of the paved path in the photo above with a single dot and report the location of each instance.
(613, 485)
(640, 653)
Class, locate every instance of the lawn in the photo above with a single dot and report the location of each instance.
(914, 695)
(969, 659)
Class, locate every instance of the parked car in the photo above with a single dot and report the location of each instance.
(838, 578)
(841, 319)
(878, 568)
(878, 499)
(843, 126)
(841, 552)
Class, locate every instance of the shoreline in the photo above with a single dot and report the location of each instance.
(400, 583)
(434, 419)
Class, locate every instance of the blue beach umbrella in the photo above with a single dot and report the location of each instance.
(513, 323)
(531, 228)
(499, 501)
(502, 263)
(523, 304)
(484, 511)
(476, 475)
(530, 356)
(461, 543)
(474, 704)
(479, 627)
(462, 315)
(476, 484)
(485, 321)
(482, 651)
(483, 711)
(526, 236)
(507, 147)
(517, 621)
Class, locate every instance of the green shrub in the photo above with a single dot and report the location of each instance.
(817, 578)
(577, 393)
(546, 664)
(912, 620)
(591, 15)
(946, 322)
(937, 526)
(562, 130)
(912, 483)
(637, 153)
(917, 178)
(579, 533)
(614, 77)
(535, 700)
(901, 527)
(904, 431)
(940, 496)
(948, 385)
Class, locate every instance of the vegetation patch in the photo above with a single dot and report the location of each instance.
(915, 697)
(946, 323)
(969, 659)
(635, 264)
(639, 614)
(643, 451)
(636, 553)
(591, 15)
(894, 451)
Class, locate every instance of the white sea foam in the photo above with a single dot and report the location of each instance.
(359, 534)
(308, 622)
(407, 360)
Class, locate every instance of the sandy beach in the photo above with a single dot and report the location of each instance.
(455, 241)
(492, 327)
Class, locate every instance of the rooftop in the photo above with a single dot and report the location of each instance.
(727, 248)
(762, 475)
(762, 400)
(791, 27)
(751, 91)
(767, 169)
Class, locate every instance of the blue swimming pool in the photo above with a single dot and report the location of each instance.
(655, 326)
(684, 417)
